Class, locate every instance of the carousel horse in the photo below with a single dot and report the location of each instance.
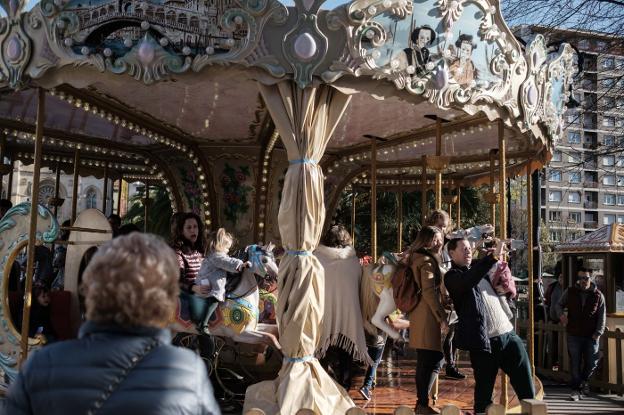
(378, 279)
(237, 317)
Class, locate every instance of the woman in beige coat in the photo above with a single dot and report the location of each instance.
(429, 318)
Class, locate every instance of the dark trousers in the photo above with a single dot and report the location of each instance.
(375, 352)
(428, 366)
(583, 353)
(341, 364)
(450, 351)
(508, 353)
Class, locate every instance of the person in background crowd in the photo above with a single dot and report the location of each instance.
(127, 229)
(40, 315)
(552, 297)
(123, 362)
(484, 328)
(5, 205)
(60, 254)
(585, 323)
(343, 328)
(189, 244)
(429, 319)
(174, 223)
(114, 222)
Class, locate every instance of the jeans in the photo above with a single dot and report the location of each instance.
(585, 350)
(428, 366)
(507, 353)
(375, 353)
(449, 349)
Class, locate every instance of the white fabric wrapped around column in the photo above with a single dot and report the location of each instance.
(305, 120)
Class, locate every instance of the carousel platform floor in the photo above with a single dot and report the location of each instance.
(396, 386)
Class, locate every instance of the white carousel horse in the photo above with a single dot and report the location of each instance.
(14, 228)
(237, 316)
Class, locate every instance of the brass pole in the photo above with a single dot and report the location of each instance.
(423, 192)
(146, 205)
(3, 141)
(492, 184)
(57, 185)
(74, 206)
(32, 231)
(119, 196)
(400, 217)
(105, 198)
(502, 192)
(353, 195)
(374, 199)
(530, 329)
(458, 207)
(10, 183)
(438, 176)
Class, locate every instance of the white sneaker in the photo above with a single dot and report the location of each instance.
(575, 396)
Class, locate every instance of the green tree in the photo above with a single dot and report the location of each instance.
(159, 210)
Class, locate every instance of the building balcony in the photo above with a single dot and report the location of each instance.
(590, 205)
(590, 225)
(590, 184)
(590, 146)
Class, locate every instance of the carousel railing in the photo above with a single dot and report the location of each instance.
(527, 407)
(552, 361)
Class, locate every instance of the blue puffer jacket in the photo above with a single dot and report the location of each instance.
(69, 377)
(461, 283)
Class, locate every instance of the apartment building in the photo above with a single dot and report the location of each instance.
(583, 186)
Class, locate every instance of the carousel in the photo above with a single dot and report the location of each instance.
(257, 115)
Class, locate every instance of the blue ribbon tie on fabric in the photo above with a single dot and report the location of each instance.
(299, 253)
(303, 161)
(298, 359)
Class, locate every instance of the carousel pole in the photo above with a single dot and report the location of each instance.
(492, 193)
(105, 198)
(146, 205)
(530, 275)
(32, 232)
(119, 196)
(458, 207)
(502, 194)
(3, 141)
(374, 198)
(10, 183)
(74, 206)
(423, 192)
(57, 185)
(353, 195)
(438, 176)
(400, 217)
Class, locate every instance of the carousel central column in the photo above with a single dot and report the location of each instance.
(305, 118)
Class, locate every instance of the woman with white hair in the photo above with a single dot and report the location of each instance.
(122, 362)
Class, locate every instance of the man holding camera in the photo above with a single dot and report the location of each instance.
(484, 327)
(585, 323)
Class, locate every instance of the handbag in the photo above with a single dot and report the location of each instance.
(112, 387)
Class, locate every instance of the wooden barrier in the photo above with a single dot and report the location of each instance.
(552, 348)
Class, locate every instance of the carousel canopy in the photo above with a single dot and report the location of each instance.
(609, 238)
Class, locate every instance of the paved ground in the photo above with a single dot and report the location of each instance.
(558, 400)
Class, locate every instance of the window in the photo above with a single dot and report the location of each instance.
(608, 102)
(608, 63)
(619, 162)
(608, 161)
(608, 140)
(574, 137)
(574, 197)
(583, 44)
(620, 219)
(608, 121)
(608, 219)
(620, 200)
(574, 217)
(608, 180)
(555, 176)
(554, 196)
(554, 216)
(556, 156)
(91, 199)
(609, 199)
(620, 103)
(573, 118)
(574, 157)
(555, 236)
(620, 180)
(608, 82)
(619, 122)
(575, 177)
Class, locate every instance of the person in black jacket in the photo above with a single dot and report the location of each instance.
(484, 328)
(123, 362)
